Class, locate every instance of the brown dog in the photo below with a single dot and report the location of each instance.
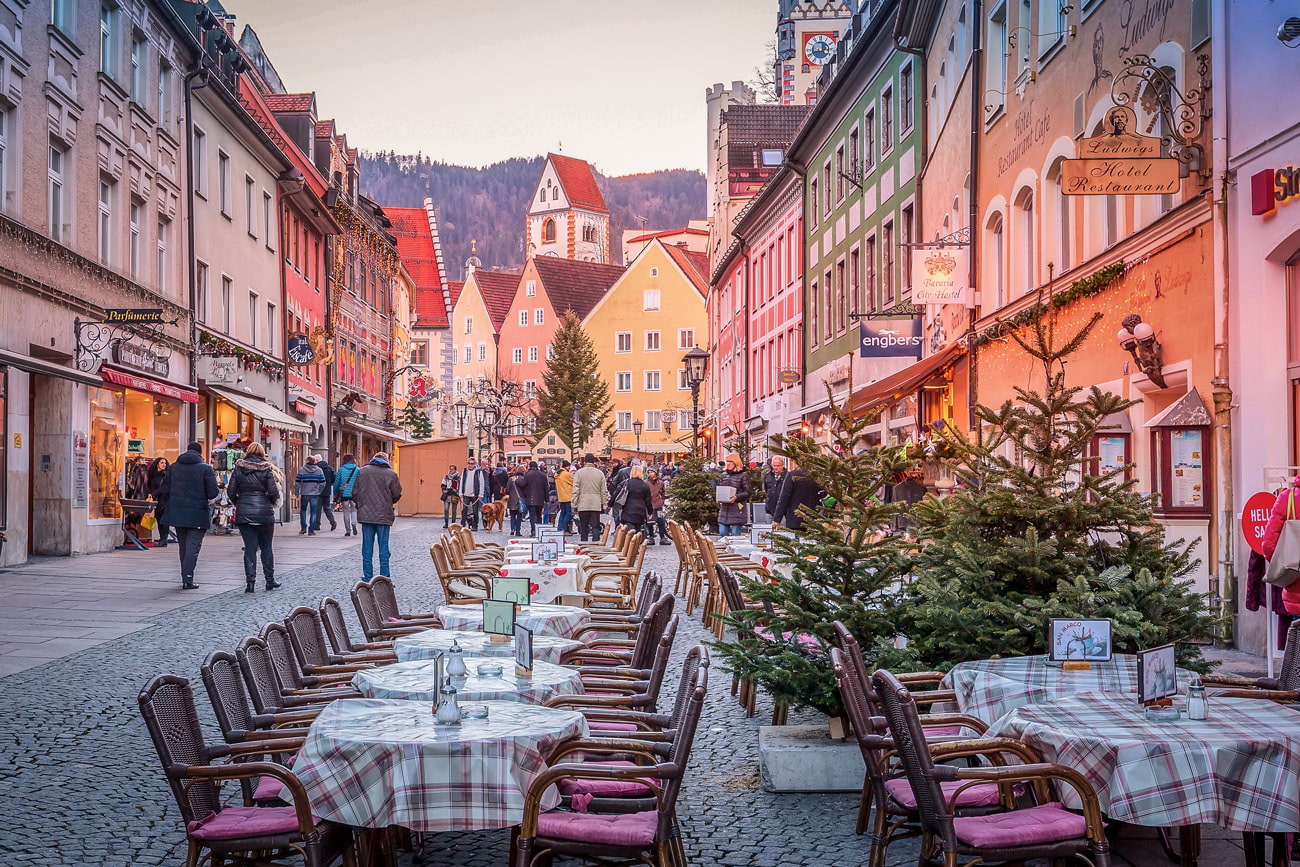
(494, 513)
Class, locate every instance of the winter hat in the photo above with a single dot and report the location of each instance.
(380, 456)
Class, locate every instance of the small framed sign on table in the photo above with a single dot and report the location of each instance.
(523, 651)
(552, 536)
(545, 552)
(515, 590)
(1157, 677)
(1076, 640)
(499, 619)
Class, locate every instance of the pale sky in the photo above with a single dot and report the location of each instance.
(620, 84)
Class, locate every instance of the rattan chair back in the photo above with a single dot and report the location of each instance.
(336, 626)
(914, 754)
(648, 593)
(680, 753)
(167, 705)
(659, 666)
(730, 586)
(307, 637)
(696, 658)
(651, 631)
(229, 696)
(280, 649)
(363, 601)
(385, 598)
(1289, 675)
(264, 686)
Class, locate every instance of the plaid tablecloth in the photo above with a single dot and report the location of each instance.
(988, 688)
(415, 681)
(431, 642)
(1239, 769)
(558, 620)
(371, 763)
(547, 582)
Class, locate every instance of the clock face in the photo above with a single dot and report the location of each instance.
(818, 49)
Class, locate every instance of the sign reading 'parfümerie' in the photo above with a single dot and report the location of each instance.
(134, 315)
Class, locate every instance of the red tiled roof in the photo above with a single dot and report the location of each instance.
(454, 287)
(650, 236)
(498, 291)
(578, 181)
(573, 285)
(325, 129)
(290, 101)
(695, 265)
(415, 246)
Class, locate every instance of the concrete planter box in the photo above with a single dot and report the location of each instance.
(808, 759)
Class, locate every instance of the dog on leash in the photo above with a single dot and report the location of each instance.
(494, 513)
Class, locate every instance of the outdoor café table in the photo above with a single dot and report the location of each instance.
(371, 763)
(546, 582)
(559, 620)
(1238, 769)
(417, 681)
(431, 642)
(988, 688)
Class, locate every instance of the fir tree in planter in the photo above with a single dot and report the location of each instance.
(842, 567)
(416, 420)
(1034, 530)
(691, 495)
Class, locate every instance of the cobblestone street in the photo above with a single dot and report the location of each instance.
(82, 784)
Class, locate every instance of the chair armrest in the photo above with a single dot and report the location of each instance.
(914, 678)
(936, 720)
(1269, 694)
(597, 744)
(1241, 682)
(252, 770)
(1034, 773)
(543, 782)
(331, 670)
(605, 626)
(579, 702)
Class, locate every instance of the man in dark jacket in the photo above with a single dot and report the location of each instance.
(500, 479)
(326, 496)
(309, 484)
(613, 483)
(376, 490)
(773, 480)
(799, 490)
(475, 490)
(188, 488)
(537, 487)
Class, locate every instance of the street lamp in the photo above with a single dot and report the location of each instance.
(697, 367)
(461, 411)
(489, 426)
(577, 429)
(637, 427)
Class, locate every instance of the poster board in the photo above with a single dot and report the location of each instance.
(1078, 639)
(498, 617)
(514, 590)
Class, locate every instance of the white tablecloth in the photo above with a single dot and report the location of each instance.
(546, 582)
(427, 644)
(558, 620)
(416, 681)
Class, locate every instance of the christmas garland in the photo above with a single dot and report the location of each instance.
(211, 345)
(1094, 284)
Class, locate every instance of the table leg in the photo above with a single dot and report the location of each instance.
(1189, 845)
(377, 848)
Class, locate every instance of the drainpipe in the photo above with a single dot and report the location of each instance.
(976, 121)
(1225, 525)
(194, 79)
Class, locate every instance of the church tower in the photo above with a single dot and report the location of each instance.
(567, 217)
(806, 34)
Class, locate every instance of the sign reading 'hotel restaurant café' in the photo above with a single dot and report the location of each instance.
(939, 275)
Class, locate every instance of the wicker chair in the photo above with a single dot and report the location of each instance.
(461, 586)
(616, 583)
(269, 694)
(1284, 687)
(623, 687)
(194, 775)
(648, 591)
(637, 653)
(290, 674)
(649, 836)
(1046, 830)
(605, 719)
(373, 624)
(311, 647)
(336, 630)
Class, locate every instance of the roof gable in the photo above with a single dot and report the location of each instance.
(573, 285)
(415, 245)
(694, 265)
(497, 289)
(578, 182)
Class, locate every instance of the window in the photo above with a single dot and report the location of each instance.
(853, 154)
(223, 181)
(227, 290)
(105, 222)
(482, 351)
(855, 276)
(684, 419)
(995, 72)
(814, 310)
(469, 353)
(5, 116)
(517, 355)
(138, 46)
(650, 299)
(995, 263)
(548, 231)
(61, 12)
(683, 384)
(623, 341)
(469, 324)
(532, 354)
(829, 287)
(654, 419)
(108, 17)
(57, 203)
(886, 120)
(530, 388)
(523, 318)
(164, 91)
(826, 189)
(201, 291)
(248, 205)
(905, 97)
(1025, 216)
(839, 173)
(164, 229)
(541, 196)
(419, 353)
(887, 297)
(869, 143)
(550, 352)
(624, 420)
(266, 217)
(685, 338)
(252, 318)
(905, 227)
(539, 316)
(200, 156)
(652, 380)
(841, 299)
(530, 288)
(623, 380)
(652, 341)
(654, 272)
(589, 233)
(812, 201)
(270, 327)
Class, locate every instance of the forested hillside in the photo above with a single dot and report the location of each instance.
(490, 204)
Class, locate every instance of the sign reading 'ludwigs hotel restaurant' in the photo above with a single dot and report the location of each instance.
(1119, 163)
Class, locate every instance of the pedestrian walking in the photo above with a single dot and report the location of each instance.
(516, 501)
(773, 480)
(613, 486)
(450, 496)
(638, 505)
(798, 491)
(536, 488)
(326, 509)
(376, 491)
(188, 489)
(731, 512)
(345, 481)
(564, 497)
(253, 490)
(157, 472)
(309, 484)
(656, 521)
(500, 479)
(475, 487)
(590, 496)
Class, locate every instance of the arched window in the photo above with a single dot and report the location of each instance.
(548, 231)
(542, 196)
(1064, 221)
(996, 268)
(1026, 243)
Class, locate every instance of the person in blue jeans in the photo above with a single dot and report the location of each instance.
(309, 484)
(376, 492)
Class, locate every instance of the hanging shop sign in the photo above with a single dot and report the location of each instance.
(134, 315)
(1272, 187)
(1119, 142)
(1120, 177)
(1254, 518)
(939, 275)
(787, 376)
(299, 349)
(419, 392)
(145, 358)
(890, 338)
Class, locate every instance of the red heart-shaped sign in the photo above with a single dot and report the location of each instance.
(561, 571)
(504, 573)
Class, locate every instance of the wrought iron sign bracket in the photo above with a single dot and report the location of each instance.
(1153, 88)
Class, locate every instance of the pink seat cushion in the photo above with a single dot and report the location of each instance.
(804, 638)
(605, 788)
(942, 731)
(608, 726)
(981, 795)
(1047, 823)
(235, 822)
(614, 829)
(268, 789)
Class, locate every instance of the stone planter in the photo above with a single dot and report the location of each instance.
(808, 759)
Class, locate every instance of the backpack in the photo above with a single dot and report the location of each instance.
(620, 496)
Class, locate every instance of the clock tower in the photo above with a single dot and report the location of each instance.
(806, 34)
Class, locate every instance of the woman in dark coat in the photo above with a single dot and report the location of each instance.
(157, 472)
(799, 491)
(517, 500)
(731, 514)
(253, 490)
(188, 489)
(639, 505)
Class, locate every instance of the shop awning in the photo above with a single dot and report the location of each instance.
(46, 368)
(905, 381)
(1188, 411)
(260, 409)
(664, 449)
(139, 382)
(376, 431)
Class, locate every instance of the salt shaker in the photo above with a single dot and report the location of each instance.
(456, 661)
(448, 711)
(1197, 705)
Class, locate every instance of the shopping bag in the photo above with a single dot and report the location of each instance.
(1284, 566)
(149, 522)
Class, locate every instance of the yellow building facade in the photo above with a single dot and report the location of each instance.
(641, 329)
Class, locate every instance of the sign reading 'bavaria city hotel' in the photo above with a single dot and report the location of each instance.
(1119, 163)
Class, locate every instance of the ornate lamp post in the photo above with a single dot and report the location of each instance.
(460, 409)
(697, 367)
(577, 430)
(637, 427)
(489, 427)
